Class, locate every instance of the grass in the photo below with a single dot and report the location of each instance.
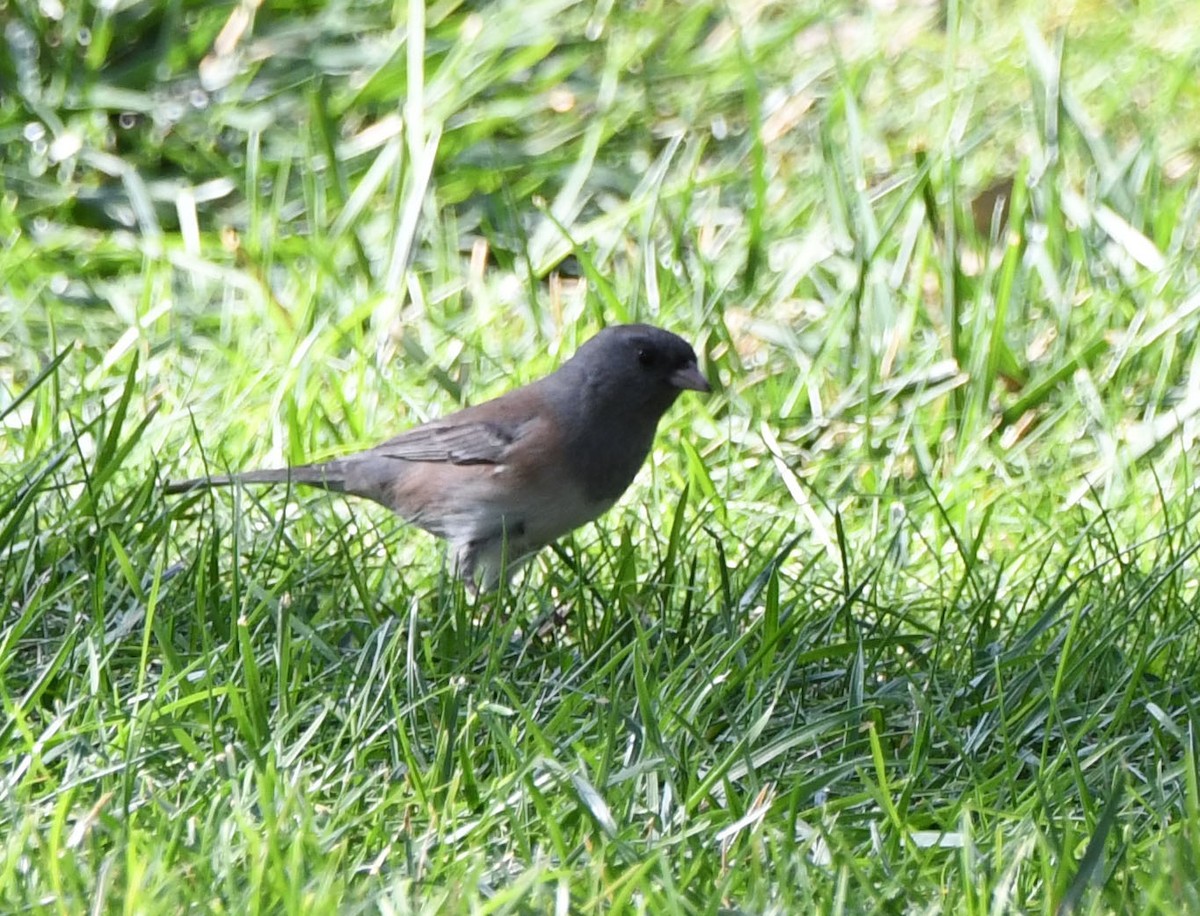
(901, 619)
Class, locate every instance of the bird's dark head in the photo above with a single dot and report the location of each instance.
(610, 396)
(640, 366)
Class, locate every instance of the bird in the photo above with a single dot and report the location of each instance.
(502, 479)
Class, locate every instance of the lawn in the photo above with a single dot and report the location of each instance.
(901, 618)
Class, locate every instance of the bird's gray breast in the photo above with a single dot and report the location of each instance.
(608, 457)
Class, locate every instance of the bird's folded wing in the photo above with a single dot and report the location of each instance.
(475, 442)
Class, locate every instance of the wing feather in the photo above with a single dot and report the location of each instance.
(475, 442)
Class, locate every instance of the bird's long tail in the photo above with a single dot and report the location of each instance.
(326, 476)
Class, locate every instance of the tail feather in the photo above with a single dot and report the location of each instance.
(325, 476)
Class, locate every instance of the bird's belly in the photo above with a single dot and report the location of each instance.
(486, 514)
(548, 517)
(527, 517)
(496, 535)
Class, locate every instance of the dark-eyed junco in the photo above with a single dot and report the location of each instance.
(505, 478)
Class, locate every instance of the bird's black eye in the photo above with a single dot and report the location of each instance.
(645, 356)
